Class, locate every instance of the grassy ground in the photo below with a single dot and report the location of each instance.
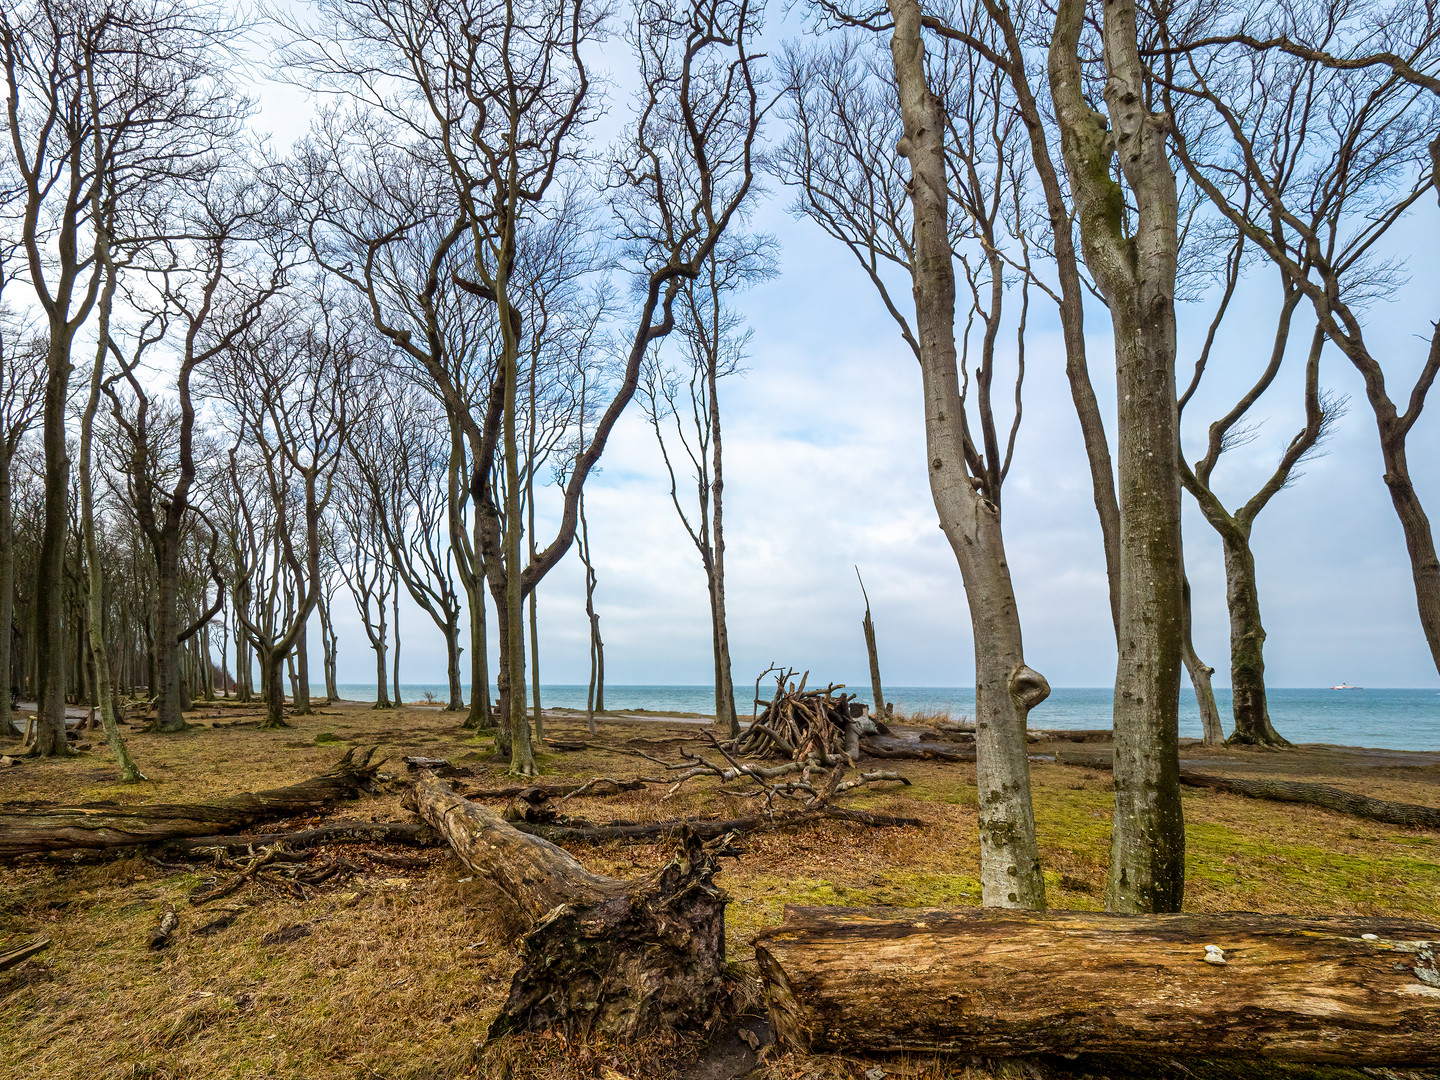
(397, 973)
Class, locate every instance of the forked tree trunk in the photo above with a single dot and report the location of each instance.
(1247, 644)
(1005, 687)
(600, 955)
(1351, 991)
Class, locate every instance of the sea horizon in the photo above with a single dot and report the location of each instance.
(1389, 718)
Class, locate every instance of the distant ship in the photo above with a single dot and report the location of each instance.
(1346, 686)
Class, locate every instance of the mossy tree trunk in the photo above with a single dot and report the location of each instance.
(1130, 239)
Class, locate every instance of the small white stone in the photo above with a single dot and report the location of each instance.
(1214, 954)
(1371, 937)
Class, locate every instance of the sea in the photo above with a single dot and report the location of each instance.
(1382, 718)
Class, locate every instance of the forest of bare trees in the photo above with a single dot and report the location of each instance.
(243, 387)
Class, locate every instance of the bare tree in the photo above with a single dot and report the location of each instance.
(22, 384)
(154, 69)
(500, 94)
(208, 289)
(291, 382)
(1312, 131)
(686, 396)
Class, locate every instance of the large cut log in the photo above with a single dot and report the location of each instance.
(995, 982)
(601, 955)
(37, 828)
(1331, 798)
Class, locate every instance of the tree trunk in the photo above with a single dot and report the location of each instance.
(600, 955)
(1331, 798)
(169, 703)
(272, 664)
(877, 692)
(1200, 673)
(1247, 644)
(725, 714)
(1345, 990)
(26, 829)
(94, 574)
(302, 674)
(7, 592)
(395, 617)
(1419, 540)
(456, 699)
(1005, 687)
(50, 568)
(1133, 258)
(382, 694)
(479, 716)
(328, 644)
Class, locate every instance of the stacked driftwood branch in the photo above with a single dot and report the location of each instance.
(820, 726)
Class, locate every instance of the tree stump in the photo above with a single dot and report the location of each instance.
(601, 955)
(998, 982)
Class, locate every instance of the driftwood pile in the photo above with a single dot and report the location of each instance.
(819, 727)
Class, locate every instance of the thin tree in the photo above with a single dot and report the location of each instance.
(712, 346)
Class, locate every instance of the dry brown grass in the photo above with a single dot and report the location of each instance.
(400, 972)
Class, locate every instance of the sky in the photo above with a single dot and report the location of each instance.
(825, 471)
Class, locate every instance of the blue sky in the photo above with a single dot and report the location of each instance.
(825, 469)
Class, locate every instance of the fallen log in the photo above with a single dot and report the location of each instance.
(38, 828)
(996, 983)
(14, 957)
(889, 746)
(1330, 798)
(407, 833)
(601, 955)
(636, 832)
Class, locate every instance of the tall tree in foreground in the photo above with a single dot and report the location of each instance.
(1129, 234)
(958, 131)
(687, 395)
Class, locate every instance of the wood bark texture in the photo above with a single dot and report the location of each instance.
(601, 955)
(1349, 990)
(32, 829)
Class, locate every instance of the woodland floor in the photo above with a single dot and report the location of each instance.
(398, 973)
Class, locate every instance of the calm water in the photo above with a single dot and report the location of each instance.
(1390, 719)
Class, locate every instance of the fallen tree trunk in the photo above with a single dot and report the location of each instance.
(890, 746)
(602, 955)
(408, 833)
(1331, 798)
(38, 828)
(587, 832)
(993, 982)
